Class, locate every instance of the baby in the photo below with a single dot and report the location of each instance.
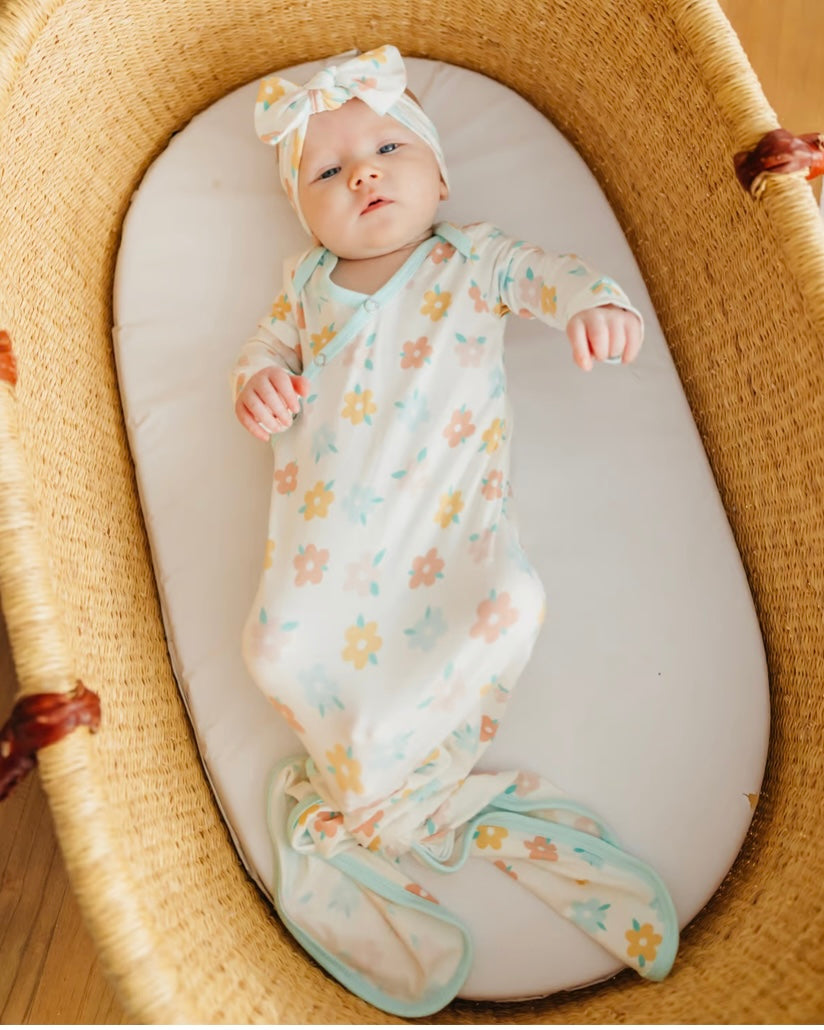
(396, 608)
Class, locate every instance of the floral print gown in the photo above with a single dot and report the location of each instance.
(396, 608)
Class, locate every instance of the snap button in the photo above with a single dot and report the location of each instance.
(370, 304)
(321, 359)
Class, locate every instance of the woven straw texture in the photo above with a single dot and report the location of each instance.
(657, 96)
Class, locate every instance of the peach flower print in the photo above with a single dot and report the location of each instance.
(530, 289)
(489, 727)
(288, 715)
(436, 303)
(460, 427)
(475, 295)
(359, 575)
(490, 837)
(525, 783)
(310, 565)
(327, 824)
(469, 350)
(287, 478)
(493, 486)
(441, 252)
(495, 616)
(345, 769)
(415, 353)
(421, 892)
(480, 545)
(643, 942)
(317, 501)
(542, 848)
(362, 643)
(366, 829)
(426, 569)
(505, 868)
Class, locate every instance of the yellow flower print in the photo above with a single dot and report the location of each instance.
(358, 406)
(492, 437)
(500, 309)
(549, 300)
(281, 308)
(345, 769)
(451, 505)
(269, 91)
(378, 56)
(303, 819)
(490, 837)
(643, 942)
(319, 340)
(317, 500)
(267, 557)
(436, 304)
(362, 643)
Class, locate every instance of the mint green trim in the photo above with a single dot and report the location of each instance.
(348, 864)
(529, 805)
(369, 304)
(617, 858)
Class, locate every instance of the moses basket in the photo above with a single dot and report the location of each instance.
(658, 97)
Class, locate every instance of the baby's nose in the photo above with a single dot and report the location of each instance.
(363, 172)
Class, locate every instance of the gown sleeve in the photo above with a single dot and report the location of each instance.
(276, 339)
(533, 283)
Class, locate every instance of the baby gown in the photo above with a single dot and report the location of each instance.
(396, 610)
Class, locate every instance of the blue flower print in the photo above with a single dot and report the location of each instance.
(360, 502)
(589, 915)
(497, 381)
(344, 897)
(426, 631)
(466, 737)
(385, 753)
(324, 441)
(413, 411)
(319, 690)
(590, 858)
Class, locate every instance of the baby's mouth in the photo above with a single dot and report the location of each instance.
(374, 204)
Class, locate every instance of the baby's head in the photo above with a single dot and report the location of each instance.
(360, 161)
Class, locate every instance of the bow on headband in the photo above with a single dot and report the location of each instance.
(378, 78)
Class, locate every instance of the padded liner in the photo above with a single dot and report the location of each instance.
(646, 698)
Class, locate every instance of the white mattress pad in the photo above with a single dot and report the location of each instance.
(646, 698)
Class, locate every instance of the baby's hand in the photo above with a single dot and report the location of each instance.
(605, 332)
(269, 401)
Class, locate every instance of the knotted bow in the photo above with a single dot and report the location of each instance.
(378, 78)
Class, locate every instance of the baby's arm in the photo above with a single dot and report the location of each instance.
(267, 384)
(566, 293)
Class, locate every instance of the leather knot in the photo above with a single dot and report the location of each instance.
(780, 153)
(38, 720)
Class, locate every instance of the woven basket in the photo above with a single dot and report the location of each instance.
(657, 96)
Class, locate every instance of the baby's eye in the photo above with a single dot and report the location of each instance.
(387, 148)
(329, 173)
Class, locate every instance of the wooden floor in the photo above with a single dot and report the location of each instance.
(48, 970)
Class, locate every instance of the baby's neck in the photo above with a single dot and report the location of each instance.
(368, 275)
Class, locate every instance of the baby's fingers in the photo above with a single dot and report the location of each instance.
(250, 423)
(577, 334)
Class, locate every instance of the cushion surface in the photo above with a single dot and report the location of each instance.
(646, 697)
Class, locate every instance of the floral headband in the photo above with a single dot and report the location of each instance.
(378, 78)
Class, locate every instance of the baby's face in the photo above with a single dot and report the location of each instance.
(367, 184)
